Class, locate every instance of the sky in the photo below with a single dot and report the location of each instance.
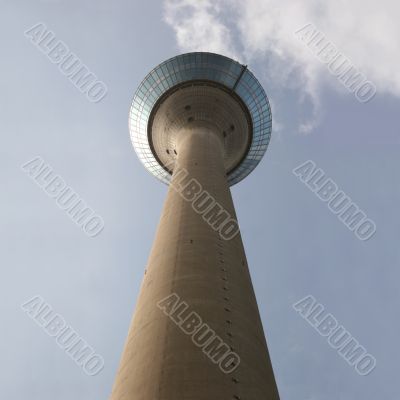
(296, 246)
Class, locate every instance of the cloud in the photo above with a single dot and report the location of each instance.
(252, 31)
(198, 26)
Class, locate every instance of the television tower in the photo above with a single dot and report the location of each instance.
(200, 122)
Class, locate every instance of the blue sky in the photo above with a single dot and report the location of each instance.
(295, 245)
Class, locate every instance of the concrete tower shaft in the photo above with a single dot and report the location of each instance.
(210, 274)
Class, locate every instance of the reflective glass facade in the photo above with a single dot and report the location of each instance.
(201, 66)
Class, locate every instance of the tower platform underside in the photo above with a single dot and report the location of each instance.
(214, 89)
(201, 104)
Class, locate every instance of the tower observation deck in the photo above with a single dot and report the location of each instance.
(199, 122)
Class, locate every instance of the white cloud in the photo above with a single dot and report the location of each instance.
(198, 26)
(365, 31)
